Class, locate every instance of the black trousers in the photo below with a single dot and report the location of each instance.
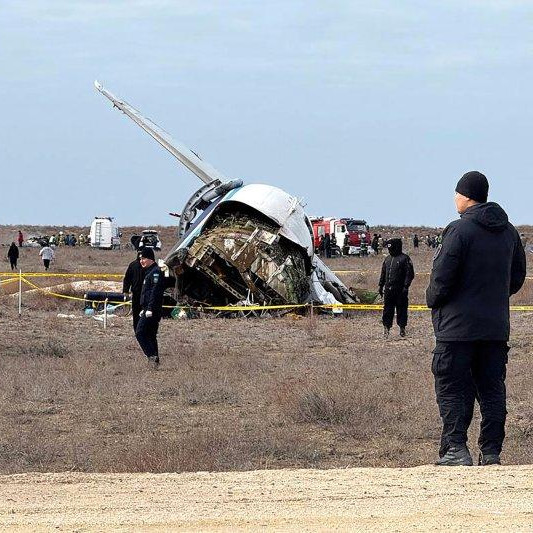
(146, 334)
(46, 263)
(13, 263)
(464, 372)
(395, 301)
(135, 309)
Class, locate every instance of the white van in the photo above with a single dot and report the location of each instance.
(104, 233)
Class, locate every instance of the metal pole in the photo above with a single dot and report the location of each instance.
(20, 293)
(105, 314)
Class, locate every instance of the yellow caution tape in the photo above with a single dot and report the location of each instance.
(67, 297)
(368, 307)
(246, 307)
(89, 275)
(233, 308)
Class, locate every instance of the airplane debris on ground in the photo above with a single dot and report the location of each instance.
(240, 244)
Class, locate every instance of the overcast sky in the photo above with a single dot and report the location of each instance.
(368, 109)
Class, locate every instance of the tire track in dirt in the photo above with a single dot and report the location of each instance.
(416, 499)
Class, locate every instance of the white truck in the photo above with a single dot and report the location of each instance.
(104, 233)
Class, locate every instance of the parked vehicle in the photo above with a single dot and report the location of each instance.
(149, 238)
(331, 225)
(359, 237)
(104, 233)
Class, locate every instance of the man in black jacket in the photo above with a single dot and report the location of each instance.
(397, 273)
(478, 266)
(327, 245)
(151, 306)
(133, 283)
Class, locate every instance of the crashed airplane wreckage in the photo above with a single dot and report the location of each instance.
(240, 244)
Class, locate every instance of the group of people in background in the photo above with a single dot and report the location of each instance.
(327, 247)
(433, 241)
(46, 253)
(68, 239)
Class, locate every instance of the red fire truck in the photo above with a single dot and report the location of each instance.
(359, 237)
(331, 225)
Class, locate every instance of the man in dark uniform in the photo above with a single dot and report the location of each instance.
(346, 244)
(397, 273)
(151, 306)
(327, 245)
(133, 283)
(478, 266)
(374, 243)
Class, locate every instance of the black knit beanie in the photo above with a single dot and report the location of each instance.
(473, 185)
(148, 253)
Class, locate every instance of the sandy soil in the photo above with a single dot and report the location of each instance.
(416, 499)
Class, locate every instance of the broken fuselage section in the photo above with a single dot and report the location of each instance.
(251, 247)
(241, 244)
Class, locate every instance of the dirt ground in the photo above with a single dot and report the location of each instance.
(417, 499)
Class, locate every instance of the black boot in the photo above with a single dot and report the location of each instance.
(488, 459)
(456, 456)
(386, 331)
(402, 332)
(153, 362)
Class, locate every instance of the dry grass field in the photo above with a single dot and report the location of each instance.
(231, 394)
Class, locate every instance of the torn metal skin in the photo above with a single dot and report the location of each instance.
(241, 259)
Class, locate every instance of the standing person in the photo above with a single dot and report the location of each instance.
(20, 239)
(321, 243)
(416, 241)
(327, 245)
(133, 283)
(151, 306)
(374, 243)
(346, 244)
(333, 244)
(381, 243)
(479, 265)
(13, 255)
(397, 273)
(47, 254)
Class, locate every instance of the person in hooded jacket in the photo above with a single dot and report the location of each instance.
(13, 255)
(478, 266)
(397, 273)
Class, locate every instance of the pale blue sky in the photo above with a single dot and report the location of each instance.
(367, 109)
